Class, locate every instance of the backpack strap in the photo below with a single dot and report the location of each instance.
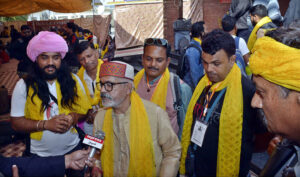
(178, 105)
(237, 42)
(195, 46)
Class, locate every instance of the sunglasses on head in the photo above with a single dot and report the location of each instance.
(156, 41)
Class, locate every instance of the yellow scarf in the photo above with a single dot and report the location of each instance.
(198, 40)
(253, 35)
(32, 110)
(160, 94)
(77, 34)
(142, 160)
(276, 62)
(103, 52)
(96, 99)
(230, 128)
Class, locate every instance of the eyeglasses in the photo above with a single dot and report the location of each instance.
(156, 41)
(109, 86)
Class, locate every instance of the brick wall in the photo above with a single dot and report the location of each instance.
(171, 13)
(213, 11)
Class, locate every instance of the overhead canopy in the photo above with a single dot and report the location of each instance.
(22, 7)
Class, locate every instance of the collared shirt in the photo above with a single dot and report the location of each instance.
(142, 91)
(90, 83)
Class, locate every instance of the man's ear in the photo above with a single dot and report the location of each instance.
(130, 88)
(232, 59)
(168, 60)
(298, 98)
(143, 59)
(97, 53)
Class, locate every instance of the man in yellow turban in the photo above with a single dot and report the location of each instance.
(219, 124)
(139, 139)
(275, 64)
(88, 56)
(261, 23)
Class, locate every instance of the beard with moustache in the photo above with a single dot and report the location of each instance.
(111, 102)
(44, 75)
(253, 23)
(37, 79)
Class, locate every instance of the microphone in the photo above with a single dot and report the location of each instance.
(95, 142)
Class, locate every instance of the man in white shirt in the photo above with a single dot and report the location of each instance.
(229, 25)
(49, 102)
(88, 56)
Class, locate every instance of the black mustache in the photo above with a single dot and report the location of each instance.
(152, 68)
(50, 66)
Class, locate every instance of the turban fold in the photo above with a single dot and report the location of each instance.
(46, 41)
(276, 62)
(117, 69)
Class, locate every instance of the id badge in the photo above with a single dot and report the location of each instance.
(199, 133)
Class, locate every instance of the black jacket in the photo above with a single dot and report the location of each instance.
(240, 10)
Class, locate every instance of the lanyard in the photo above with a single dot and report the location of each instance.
(211, 110)
(214, 105)
(207, 99)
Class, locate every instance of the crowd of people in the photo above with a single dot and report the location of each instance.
(236, 84)
(71, 32)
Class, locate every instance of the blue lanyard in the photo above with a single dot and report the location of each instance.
(211, 110)
(214, 105)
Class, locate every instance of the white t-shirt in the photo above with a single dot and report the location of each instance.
(242, 45)
(89, 83)
(95, 39)
(51, 144)
(88, 128)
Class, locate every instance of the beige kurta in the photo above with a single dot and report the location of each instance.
(167, 148)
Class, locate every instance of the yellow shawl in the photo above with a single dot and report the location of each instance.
(230, 127)
(32, 110)
(276, 62)
(96, 99)
(253, 35)
(103, 52)
(198, 40)
(159, 96)
(142, 160)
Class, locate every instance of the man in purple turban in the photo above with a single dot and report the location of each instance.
(48, 103)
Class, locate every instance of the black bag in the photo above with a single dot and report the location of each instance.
(80, 132)
(182, 25)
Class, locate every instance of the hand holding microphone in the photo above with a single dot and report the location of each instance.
(95, 142)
